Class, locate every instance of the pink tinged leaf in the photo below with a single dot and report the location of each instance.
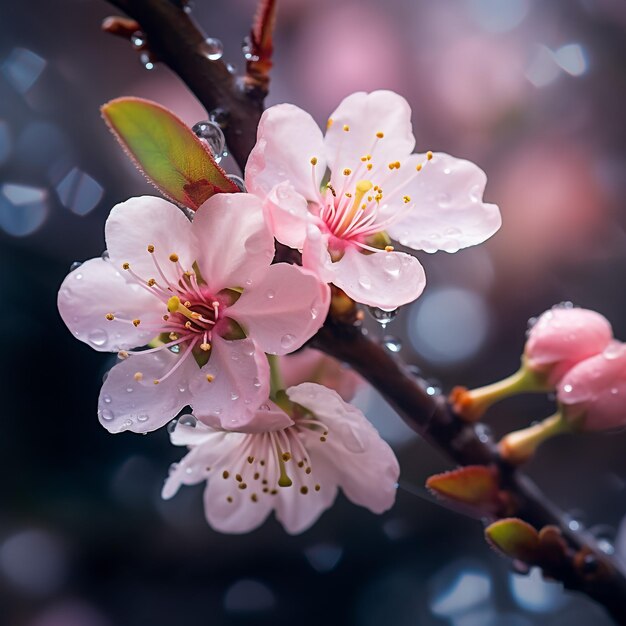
(474, 485)
(514, 538)
(166, 151)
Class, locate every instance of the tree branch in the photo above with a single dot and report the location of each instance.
(175, 40)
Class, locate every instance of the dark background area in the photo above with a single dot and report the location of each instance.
(534, 92)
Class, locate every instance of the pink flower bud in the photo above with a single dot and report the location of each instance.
(592, 393)
(563, 337)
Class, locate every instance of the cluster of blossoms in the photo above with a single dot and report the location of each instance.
(198, 310)
(569, 351)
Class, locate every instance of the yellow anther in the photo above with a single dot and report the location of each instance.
(364, 158)
(125, 266)
(136, 322)
(313, 160)
(122, 354)
(156, 381)
(173, 336)
(406, 199)
(166, 317)
(151, 282)
(174, 257)
(391, 166)
(369, 166)
(348, 194)
(138, 376)
(150, 248)
(369, 198)
(429, 155)
(389, 248)
(210, 378)
(418, 167)
(380, 135)
(188, 325)
(329, 123)
(397, 164)
(110, 316)
(205, 346)
(347, 171)
(346, 127)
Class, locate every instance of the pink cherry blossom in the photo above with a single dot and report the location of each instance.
(592, 393)
(292, 465)
(562, 337)
(206, 297)
(312, 366)
(377, 188)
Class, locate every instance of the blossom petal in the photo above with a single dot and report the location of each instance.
(382, 279)
(231, 510)
(365, 115)
(239, 384)
(448, 209)
(288, 214)
(268, 418)
(139, 222)
(237, 245)
(315, 255)
(208, 446)
(126, 403)
(97, 288)
(297, 511)
(284, 309)
(365, 466)
(287, 139)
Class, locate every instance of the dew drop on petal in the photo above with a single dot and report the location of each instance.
(256, 382)
(75, 265)
(286, 341)
(106, 399)
(314, 313)
(106, 415)
(188, 420)
(365, 282)
(143, 417)
(171, 427)
(613, 351)
(97, 337)
(392, 264)
(270, 294)
(351, 438)
(234, 396)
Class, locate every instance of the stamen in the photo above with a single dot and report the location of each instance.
(150, 248)
(174, 257)
(210, 378)
(110, 316)
(136, 322)
(380, 134)
(346, 128)
(138, 376)
(313, 160)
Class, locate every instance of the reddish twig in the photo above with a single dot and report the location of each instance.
(176, 40)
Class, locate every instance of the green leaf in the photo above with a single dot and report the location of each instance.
(167, 152)
(474, 485)
(514, 538)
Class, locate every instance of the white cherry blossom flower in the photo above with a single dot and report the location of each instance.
(290, 464)
(204, 295)
(377, 189)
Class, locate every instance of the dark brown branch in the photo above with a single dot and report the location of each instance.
(580, 565)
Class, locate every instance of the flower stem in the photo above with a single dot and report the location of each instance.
(276, 378)
(471, 404)
(518, 446)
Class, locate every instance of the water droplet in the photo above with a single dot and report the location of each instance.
(443, 200)
(126, 424)
(231, 68)
(391, 264)
(365, 282)
(182, 388)
(219, 116)
(393, 344)
(352, 439)
(286, 341)
(568, 388)
(106, 399)
(97, 337)
(129, 390)
(189, 470)
(171, 427)
(175, 349)
(314, 313)
(137, 39)
(78, 276)
(270, 294)
(188, 420)
(212, 134)
(234, 396)
(382, 316)
(211, 48)
(143, 417)
(105, 256)
(614, 351)
(256, 382)
(238, 182)
(248, 50)
(146, 61)
(75, 265)
(483, 432)
(106, 415)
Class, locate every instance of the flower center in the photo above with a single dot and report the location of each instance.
(264, 462)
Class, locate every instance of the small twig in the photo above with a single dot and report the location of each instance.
(261, 46)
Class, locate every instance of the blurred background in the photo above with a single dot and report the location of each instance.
(534, 92)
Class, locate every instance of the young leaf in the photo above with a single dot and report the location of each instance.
(473, 485)
(515, 538)
(166, 151)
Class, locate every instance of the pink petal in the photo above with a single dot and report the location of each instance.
(239, 386)
(315, 255)
(287, 139)
(269, 417)
(237, 246)
(366, 114)
(448, 209)
(288, 214)
(97, 288)
(139, 222)
(140, 405)
(365, 467)
(312, 366)
(241, 514)
(297, 511)
(284, 309)
(382, 279)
